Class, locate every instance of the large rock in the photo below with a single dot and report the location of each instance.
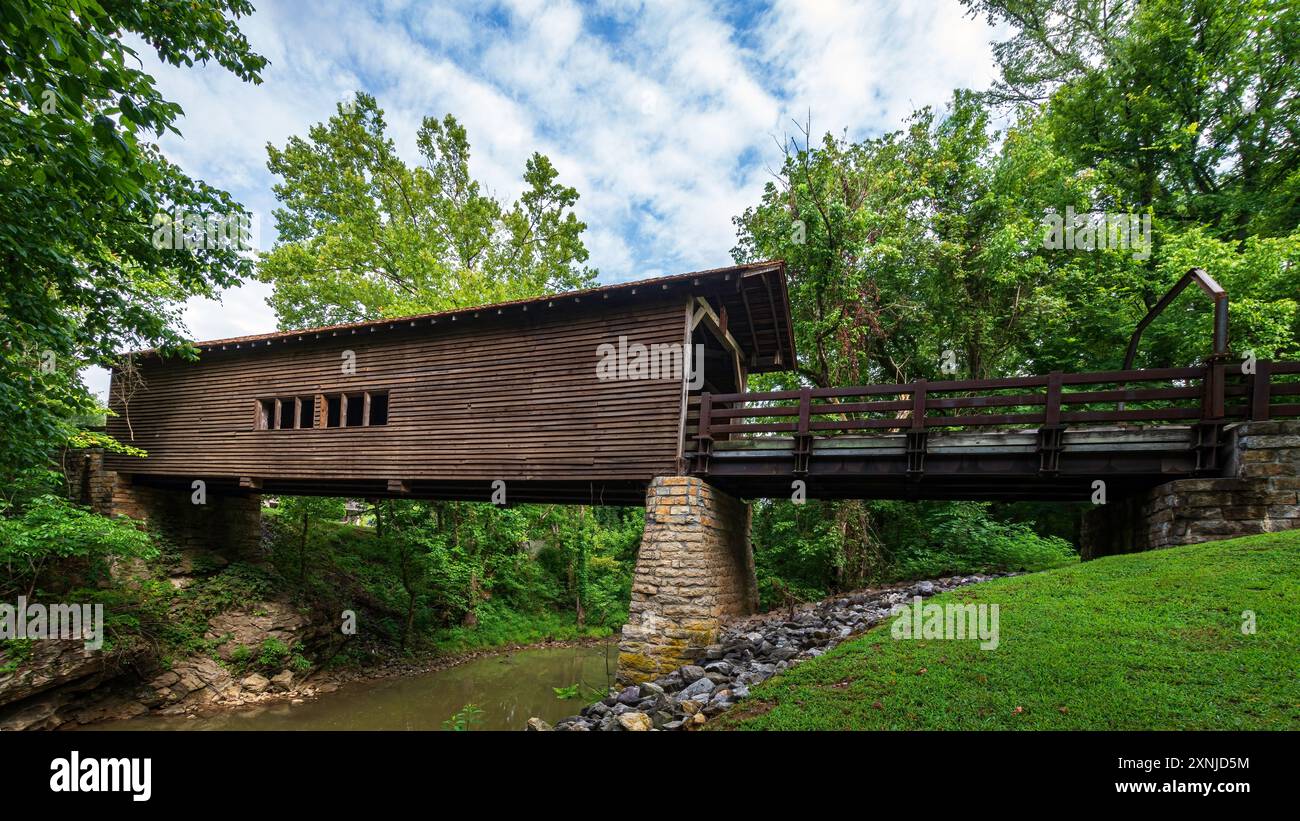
(46, 665)
(697, 688)
(252, 626)
(282, 681)
(638, 722)
(255, 683)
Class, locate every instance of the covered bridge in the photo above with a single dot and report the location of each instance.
(636, 393)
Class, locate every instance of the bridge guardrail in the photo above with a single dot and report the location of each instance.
(1208, 395)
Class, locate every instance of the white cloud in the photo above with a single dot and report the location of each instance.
(866, 66)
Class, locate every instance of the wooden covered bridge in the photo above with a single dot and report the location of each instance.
(636, 393)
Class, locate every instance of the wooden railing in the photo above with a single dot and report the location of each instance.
(1213, 394)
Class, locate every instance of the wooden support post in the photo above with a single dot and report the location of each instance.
(1210, 426)
(1053, 414)
(916, 435)
(703, 436)
(1260, 389)
(803, 438)
(1212, 398)
(918, 404)
(1049, 435)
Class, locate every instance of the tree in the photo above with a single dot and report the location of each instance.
(81, 194)
(363, 235)
(304, 512)
(1189, 106)
(899, 250)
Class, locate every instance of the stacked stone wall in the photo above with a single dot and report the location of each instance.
(1257, 494)
(695, 567)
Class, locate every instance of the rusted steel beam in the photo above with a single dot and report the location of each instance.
(1209, 286)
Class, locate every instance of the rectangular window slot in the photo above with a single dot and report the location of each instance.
(329, 410)
(265, 414)
(356, 409)
(379, 409)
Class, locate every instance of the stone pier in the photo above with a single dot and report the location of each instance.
(231, 525)
(694, 568)
(1256, 493)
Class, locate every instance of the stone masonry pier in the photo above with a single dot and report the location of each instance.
(231, 525)
(694, 568)
(1256, 494)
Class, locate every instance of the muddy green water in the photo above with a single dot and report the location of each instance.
(509, 689)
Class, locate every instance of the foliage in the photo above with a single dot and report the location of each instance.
(304, 512)
(962, 538)
(809, 551)
(1187, 107)
(578, 690)
(571, 691)
(447, 552)
(80, 186)
(464, 719)
(363, 235)
(50, 534)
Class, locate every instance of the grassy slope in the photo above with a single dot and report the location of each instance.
(1143, 641)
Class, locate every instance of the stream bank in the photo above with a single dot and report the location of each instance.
(749, 651)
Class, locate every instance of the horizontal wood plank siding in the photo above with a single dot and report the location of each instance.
(479, 398)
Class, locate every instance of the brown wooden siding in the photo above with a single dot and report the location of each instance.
(483, 399)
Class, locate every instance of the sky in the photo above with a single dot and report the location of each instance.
(667, 116)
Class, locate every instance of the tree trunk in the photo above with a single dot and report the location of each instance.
(302, 550)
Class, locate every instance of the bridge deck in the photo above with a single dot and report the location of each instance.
(987, 465)
(1039, 437)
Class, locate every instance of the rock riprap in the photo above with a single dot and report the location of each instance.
(749, 652)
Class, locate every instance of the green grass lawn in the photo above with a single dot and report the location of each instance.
(1144, 641)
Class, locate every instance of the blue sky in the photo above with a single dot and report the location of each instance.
(666, 116)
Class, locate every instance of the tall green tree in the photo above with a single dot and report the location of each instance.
(1189, 106)
(81, 186)
(900, 249)
(362, 234)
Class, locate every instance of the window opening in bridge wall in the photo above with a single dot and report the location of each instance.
(265, 418)
(330, 410)
(355, 409)
(379, 408)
